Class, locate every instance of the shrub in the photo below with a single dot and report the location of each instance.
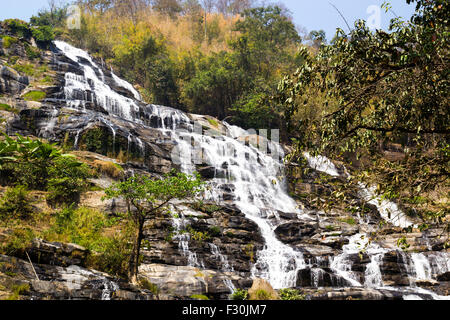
(43, 35)
(82, 226)
(34, 96)
(199, 297)
(291, 294)
(32, 53)
(19, 27)
(8, 41)
(113, 253)
(145, 284)
(15, 203)
(239, 294)
(17, 242)
(7, 107)
(67, 181)
(28, 69)
(18, 290)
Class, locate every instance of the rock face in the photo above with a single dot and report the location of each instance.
(63, 283)
(11, 82)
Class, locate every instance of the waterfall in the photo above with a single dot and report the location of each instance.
(255, 179)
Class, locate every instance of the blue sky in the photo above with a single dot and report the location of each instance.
(311, 14)
(320, 14)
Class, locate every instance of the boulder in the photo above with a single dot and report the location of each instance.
(262, 290)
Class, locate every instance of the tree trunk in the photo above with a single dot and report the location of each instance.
(134, 258)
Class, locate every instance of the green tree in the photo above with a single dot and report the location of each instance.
(216, 86)
(380, 88)
(149, 198)
(266, 33)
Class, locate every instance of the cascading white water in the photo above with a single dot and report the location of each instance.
(418, 266)
(78, 88)
(225, 266)
(180, 223)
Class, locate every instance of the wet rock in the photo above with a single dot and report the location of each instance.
(444, 276)
(185, 281)
(295, 231)
(57, 253)
(64, 283)
(11, 82)
(318, 277)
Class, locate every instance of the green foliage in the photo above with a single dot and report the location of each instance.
(67, 180)
(40, 165)
(150, 197)
(34, 95)
(55, 17)
(18, 290)
(199, 297)
(29, 70)
(350, 221)
(146, 284)
(82, 226)
(239, 294)
(403, 243)
(43, 35)
(7, 107)
(8, 41)
(262, 294)
(291, 294)
(214, 231)
(16, 203)
(32, 53)
(18, 27)
(375, 89)
(112, 253)
(17, 242)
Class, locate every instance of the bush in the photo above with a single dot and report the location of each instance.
(43, 35)
(199, 297)
(291, 294)
(15, 203)
(32, 53)
(82, 226)
(113, 254)
(7, 107)
(67, 181)
(239, 294)
(34, 96)
(19, 27)
(8, 41)
(29, 70)
(17, 242)
(145, 284)
(262, 294)
(18, 290)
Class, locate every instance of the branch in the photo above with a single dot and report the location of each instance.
(400, 129)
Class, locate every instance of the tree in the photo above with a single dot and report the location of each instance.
(266, 35)
(317, 38)
(149, 198)
(168, 7)
(380, 88)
